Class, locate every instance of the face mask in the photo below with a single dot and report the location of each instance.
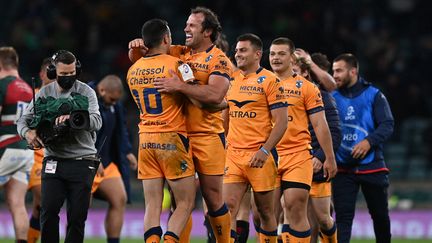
(66, 82)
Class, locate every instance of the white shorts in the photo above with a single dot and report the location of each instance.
(16, 163)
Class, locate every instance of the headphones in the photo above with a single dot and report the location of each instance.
(51, 69)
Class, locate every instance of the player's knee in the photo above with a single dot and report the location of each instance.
(232, 204)
(118, 201)
(265, 212)
(324, 220)
(15, 203)
(186, 205)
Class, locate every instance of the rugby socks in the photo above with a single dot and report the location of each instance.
(329, 236)
(170, 237)
(285, 234)
(242, 231)
(33, 232)
(220, 221)
(233, 236)
(113, 240)
(153, 235)
(210, 236)
(290, 235)
(257, 230)
(268, 236)
(186, 233)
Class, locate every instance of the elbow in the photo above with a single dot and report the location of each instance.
(283, 123)
(215, 99)
(331, 87)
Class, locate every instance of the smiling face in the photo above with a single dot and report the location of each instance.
(194, 30)
(246, 55)
(280, 57)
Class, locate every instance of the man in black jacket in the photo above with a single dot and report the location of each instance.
(366, 122)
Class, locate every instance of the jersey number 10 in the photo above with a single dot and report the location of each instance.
(148, 94)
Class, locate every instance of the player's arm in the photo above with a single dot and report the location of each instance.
(280, 118)
(320, 126)
(212, 93)
(324, 78)
(332, 117)
(25, 132)
(137, 49)
(225, 117)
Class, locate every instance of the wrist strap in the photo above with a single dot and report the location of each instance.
(265, 151)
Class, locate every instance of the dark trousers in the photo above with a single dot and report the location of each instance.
(72, 181)
(374, 187)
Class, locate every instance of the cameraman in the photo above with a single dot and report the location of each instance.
(69, 166)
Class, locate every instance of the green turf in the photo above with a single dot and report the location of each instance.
(251, 241)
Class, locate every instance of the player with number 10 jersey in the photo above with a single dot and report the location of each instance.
(163, 125)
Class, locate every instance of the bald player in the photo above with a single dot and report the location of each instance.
(116, 155)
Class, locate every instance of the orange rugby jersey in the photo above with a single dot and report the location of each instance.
(159, 112)
(251, 98)
(304, 98)
(210, 62)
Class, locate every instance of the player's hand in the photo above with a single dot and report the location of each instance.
(100, 171)
(61, 119)
(360, 150)
(169, 85)
(137, 49)
(132, 161)
(330, 168)
(258, 160)
(33, 140)
(317, 164)
(302, 53)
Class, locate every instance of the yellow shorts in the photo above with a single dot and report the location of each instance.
(320, 189)
(208, 152)
(36, 170)
(111, 171)
(238, 170)
(296, 167)
(164, 155)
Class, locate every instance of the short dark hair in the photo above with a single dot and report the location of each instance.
(211, 22)
(63, 56)
(9, 57)
(321, 61)
(284, 41)
(153, 32)
(349, 58)
(254, 40)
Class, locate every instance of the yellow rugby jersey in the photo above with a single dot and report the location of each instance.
(304, 98)
(251, 98)
(159, 112)
(210, 62)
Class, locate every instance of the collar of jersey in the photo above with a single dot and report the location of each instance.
(153, 55)
(207, 51)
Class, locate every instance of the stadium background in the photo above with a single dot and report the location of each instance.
(391, 38)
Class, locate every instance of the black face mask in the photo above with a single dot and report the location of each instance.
(66, 82)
